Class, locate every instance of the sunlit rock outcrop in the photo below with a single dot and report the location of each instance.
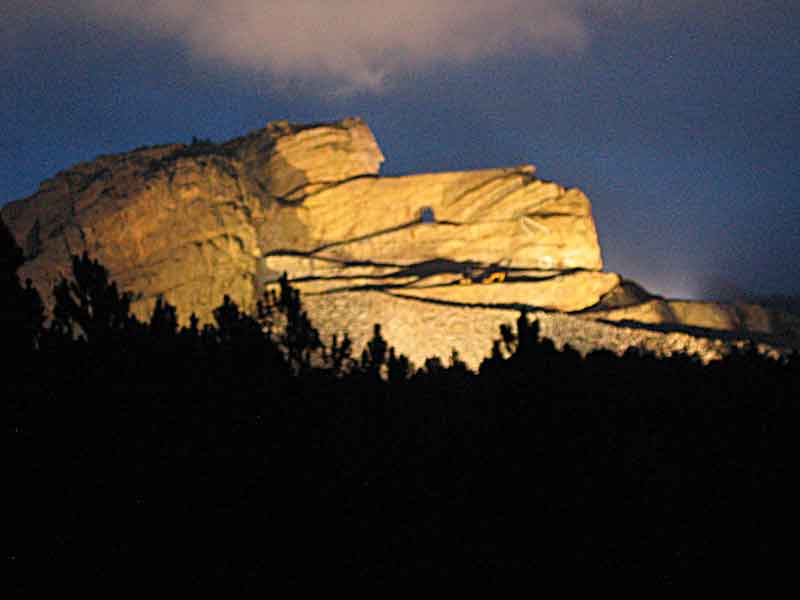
(193, 222)
(485, 216)
(439, 259)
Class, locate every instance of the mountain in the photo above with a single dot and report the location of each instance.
(440, 260)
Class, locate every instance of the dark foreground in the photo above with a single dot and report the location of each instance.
(624, 467)
(144, 457)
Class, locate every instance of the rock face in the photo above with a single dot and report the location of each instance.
(191, 222)
(196, 222)
(736, 320)
(483, 216)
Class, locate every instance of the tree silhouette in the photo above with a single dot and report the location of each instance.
(527, 334)
(398, 368)
(494, 361)
(238, 348)
(614, 451)
(374, 356)
(509, 338)
(234, 326)
(514, 351)
(164, 320)
(433, 367)
(89, 305)
(21, 309)
(284, 318)
(340, 359)
(11, 256)
(457, 366)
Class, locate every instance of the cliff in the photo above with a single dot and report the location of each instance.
(195, 222)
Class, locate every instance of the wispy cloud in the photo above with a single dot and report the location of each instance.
(357, 44)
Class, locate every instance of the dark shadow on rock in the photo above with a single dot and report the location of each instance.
(374, 234)
(421, 271)
(515, 306)
(436, 266)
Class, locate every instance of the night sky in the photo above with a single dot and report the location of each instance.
(680, 120)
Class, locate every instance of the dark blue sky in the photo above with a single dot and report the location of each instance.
(682, 125)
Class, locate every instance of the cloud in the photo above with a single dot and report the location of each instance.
(360, 44)
(357, 44)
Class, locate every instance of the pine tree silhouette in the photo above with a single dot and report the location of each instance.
(22, 313)
(90, 306)
(284, 318)
(374, 356)
(164, 320)
(340, 359)
(399, 368)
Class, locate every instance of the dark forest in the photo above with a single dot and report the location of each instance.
(253, 453)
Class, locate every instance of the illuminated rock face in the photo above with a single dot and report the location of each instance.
(484, 216)
(196, 222)
(742, 319)
(191, 222)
